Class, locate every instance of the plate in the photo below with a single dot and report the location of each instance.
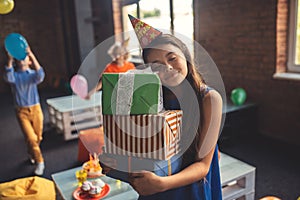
(79, 195)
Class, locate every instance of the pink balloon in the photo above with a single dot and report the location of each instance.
(79, 85)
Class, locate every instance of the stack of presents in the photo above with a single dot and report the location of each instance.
(139, 134)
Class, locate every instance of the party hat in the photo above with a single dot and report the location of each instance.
(144, 32)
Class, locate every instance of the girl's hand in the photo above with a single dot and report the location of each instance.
(147, 183)
(87, 97)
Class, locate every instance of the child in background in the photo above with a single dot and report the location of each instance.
(199, 176)
(119, 54)
(24, 81)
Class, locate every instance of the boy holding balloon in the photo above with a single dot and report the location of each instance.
(24, 81)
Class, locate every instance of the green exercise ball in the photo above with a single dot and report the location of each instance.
(238, 96)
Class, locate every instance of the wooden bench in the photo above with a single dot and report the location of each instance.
(237, 178)
(70, 114)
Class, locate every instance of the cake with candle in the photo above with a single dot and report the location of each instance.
(92, 167)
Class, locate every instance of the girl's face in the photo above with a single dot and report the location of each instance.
(170, 63)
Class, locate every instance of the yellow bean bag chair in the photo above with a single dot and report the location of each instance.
(29, 188)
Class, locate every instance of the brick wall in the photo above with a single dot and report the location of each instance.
(40, 23)
(282, 35)
(117, 13)
(240, 36)
(50, 29)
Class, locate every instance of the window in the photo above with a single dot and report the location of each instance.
(288, 40)
(294, 37)
(172, 16)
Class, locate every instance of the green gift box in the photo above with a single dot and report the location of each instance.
(131, 94)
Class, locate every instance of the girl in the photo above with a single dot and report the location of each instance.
(199, 176)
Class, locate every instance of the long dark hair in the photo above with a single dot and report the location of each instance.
(196, 81)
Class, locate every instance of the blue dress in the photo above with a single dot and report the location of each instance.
(208, 188)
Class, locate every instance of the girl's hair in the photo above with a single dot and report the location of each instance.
(194, 78)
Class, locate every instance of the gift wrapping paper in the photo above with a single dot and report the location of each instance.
(154, 136)
(131, 93)
(129, 164)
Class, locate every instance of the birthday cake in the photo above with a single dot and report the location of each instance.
(92, 167)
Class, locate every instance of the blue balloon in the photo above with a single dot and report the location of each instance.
(15, 44)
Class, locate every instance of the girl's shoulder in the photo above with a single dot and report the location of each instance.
(210, 95)
(204, 89)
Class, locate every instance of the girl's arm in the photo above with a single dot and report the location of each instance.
(146, 183)
(98, 87)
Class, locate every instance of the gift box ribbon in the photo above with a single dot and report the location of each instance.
(124, 93)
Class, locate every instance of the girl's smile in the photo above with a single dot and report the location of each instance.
(170, 64)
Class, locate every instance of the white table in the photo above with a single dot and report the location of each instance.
(66, 184)
(70, 114)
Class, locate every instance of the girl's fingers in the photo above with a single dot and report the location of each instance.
(136, 175)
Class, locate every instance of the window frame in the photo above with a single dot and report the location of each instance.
(138, 13)
(291, 65)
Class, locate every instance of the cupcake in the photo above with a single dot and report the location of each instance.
(98, 182)
(86, 186)
(95, 191)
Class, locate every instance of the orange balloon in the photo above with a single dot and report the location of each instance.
(6, 6)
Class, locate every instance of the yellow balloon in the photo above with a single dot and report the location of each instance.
(6, 6)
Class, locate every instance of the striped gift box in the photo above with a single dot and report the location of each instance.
(154, 136)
